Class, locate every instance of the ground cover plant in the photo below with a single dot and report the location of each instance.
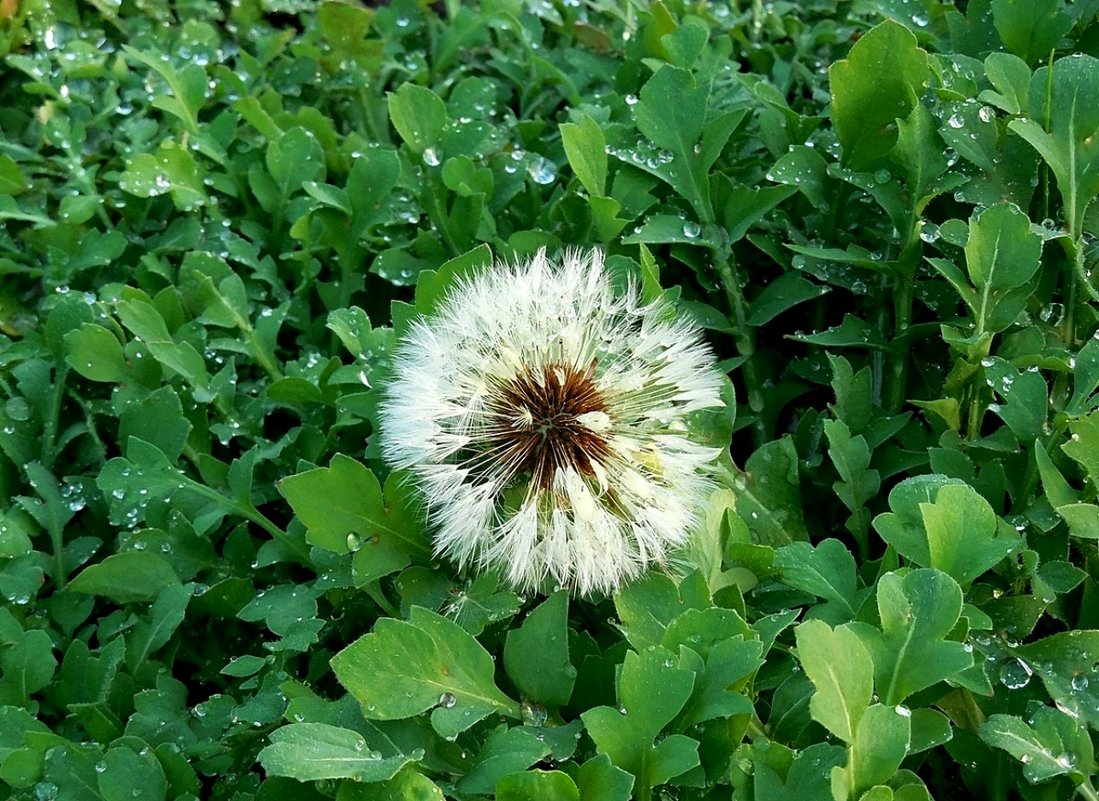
(219, 219)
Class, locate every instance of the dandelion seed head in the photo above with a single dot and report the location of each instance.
(545, 419)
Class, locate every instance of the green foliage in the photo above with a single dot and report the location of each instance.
(220, 218)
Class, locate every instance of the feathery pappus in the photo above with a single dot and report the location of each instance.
(545, 419)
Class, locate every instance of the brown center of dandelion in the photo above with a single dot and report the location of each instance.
(547, 419)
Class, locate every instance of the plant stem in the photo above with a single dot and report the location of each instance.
(904, 285)
(1074, 270)
(262, 355)
(745, 337)
(1085, 789)
(53, 414)
(249, 512)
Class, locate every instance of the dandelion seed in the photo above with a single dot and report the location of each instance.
(545, 419)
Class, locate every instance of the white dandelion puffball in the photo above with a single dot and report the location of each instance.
(544, 418)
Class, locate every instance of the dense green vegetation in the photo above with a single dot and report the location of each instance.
(217, 220)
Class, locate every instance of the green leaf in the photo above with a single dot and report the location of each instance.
(147, 325)
(537, 785)
(769, 501)
(345, 510)
(878, 82)
(432, 285)
(929, 514)
(1082, 519)
(827, 571)
(918, 610)
(728, 665)
(172, 170)
(369, 185)
(1025, 395)
(646, 607)
(860, 483)
(651, 692)
(806, 780)
(188, 86)
(669, 228)
(671, 112)
(880, 746)
(292, 160)
(804, 168)
(407, 785)
(1030, 28)
(26, 667)
(126, 577)
(1067, 95)
(404, 668)
(1002, 255)
(919, 153)
(157, 419)
(418, 114)
(839, 666)
(586, 150)
(1083, 445)
(165, 617)
(785, 292)
(964, 536)
(1011, 77)
(484, 600)
(288, 611)
(505, 751)
(746, 205)
(536, 655)
(127, 775)
(929, 729)
(599, 780)
(1065, 663)
(1052, 744)
(12, 179)
(314, 751)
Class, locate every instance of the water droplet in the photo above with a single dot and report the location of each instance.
(447, 701)
(542, 171)
(431, 158)
(691, 229)
(1015, 674)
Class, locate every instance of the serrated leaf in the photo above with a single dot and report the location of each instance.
(345, 510)
(651, 692)
(671, 112)
(841, 669)
(918, 610)
(827, 571)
